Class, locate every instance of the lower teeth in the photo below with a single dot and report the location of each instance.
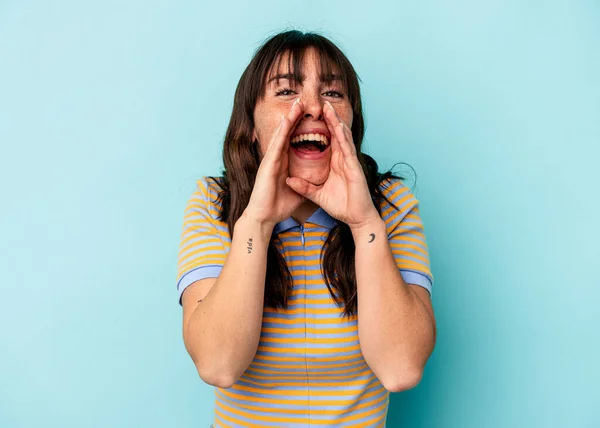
(305, 144)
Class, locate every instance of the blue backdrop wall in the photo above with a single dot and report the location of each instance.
(110, 110)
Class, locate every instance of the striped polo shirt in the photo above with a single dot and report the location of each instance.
(308, 370)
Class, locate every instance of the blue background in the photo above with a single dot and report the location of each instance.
(110, 110)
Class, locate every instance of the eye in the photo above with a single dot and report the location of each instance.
(334, 94)
(284, 92)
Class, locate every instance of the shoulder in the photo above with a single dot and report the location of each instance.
(208, 193)
(397, 196)
(209, 186)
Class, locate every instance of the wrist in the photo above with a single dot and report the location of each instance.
(248, 221)
(374, 225)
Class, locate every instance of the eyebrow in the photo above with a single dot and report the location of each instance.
(290, 76)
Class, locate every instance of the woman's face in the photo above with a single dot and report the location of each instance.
(306, 160)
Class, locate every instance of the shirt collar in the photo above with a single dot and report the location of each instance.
(319, 217)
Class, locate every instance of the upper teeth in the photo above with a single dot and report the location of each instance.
(322, 139)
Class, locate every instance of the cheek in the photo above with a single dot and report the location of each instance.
(265, 124)
(347, 115)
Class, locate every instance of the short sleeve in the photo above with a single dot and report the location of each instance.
(201, 251)
(406, 234)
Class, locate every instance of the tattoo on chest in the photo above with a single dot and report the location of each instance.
(372, 235)
(249, 245)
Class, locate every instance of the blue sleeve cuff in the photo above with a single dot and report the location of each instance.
(412, 277)
(197, 274)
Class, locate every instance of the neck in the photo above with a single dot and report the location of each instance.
(304, 211)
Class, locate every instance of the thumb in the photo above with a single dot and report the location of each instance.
(303, 187)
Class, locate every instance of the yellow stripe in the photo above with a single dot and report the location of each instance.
(301, 320)
(298, 235)
(324, 292)
(413, 215)
(315, 262)
(206, 251)
(407, 264)
(344, 383)
(323, 311)
(213, 260)
(409, 254)
(395, 244)
(307, 253)
(359, 415)
(303, 365)
(206, 240)
(322, 341)
(202, 188)
(309, 351)
(302, 358)
(287, 393)
(220, 424)
(344, 369)
(402, 233)
(294, 402)
(410, 225)
(381, 419)
(336, 330)
(313, 301)
(313, 381)
(418, 240)
(233, 421)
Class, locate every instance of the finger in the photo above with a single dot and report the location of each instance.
(335, 144)
(338, 126)
(281, 137)
(304, 188)
(345, 139)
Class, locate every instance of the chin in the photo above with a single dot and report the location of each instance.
(312, 175)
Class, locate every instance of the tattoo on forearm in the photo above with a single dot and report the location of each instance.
(372, 235)
(249, 245)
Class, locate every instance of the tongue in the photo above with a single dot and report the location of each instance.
(308, 148)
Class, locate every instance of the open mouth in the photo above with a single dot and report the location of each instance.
(310, 143)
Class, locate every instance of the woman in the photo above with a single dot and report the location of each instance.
(303, 272)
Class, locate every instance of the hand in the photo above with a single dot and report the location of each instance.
(272, 200)
(345, 194)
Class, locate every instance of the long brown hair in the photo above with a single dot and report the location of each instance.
(241, 161)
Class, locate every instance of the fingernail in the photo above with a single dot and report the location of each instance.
(296, 102)
(327, 103)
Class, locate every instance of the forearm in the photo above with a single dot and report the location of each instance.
(224, 330)
(395, 328)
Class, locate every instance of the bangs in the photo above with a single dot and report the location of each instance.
(286, 59)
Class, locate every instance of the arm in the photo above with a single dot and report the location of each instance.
(223, 317)
(396, 324)
(221, 333)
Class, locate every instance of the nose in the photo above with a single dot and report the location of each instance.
(313, 107)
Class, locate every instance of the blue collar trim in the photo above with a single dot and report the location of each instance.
(319, 217)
